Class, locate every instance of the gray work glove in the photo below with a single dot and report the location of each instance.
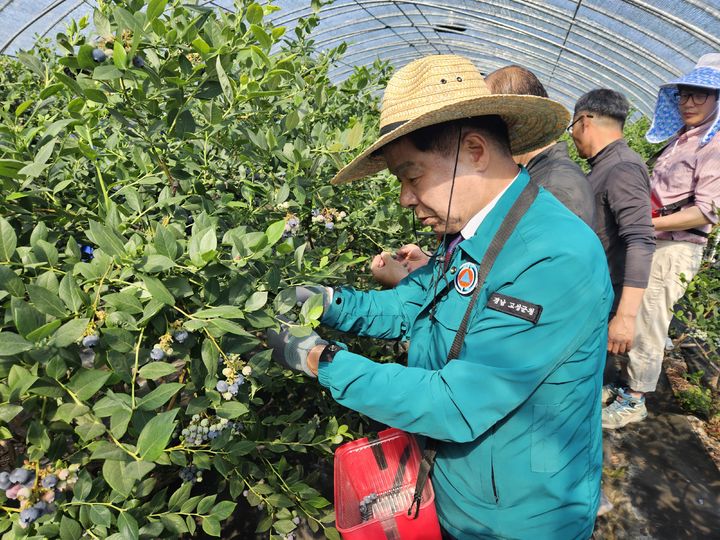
(302, 293)
(291, 351)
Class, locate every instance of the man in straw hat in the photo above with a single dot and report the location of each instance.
(549, 166)
(507, 324)
(685, 196)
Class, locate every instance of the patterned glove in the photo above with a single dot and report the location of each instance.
(292, 351)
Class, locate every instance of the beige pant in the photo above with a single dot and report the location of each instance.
(664, 289)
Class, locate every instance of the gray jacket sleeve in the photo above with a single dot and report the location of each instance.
(628, 192)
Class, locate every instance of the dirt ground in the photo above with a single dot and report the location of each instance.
(660, 477)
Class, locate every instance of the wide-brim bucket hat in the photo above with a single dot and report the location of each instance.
(667, 120)
(439, 88)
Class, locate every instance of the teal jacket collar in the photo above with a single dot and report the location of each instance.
(476, 245)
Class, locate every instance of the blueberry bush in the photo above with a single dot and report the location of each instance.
(164, 174)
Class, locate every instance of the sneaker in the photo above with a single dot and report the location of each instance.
(609, 393)
(605, 505)
(623, 411)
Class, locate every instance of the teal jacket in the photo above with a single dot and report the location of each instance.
(519, 411)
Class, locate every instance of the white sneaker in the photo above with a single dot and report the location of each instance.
(605, 505)
(609, 392)
(669, 345)
(623, 411)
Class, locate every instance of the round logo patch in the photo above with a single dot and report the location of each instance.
(467, 278)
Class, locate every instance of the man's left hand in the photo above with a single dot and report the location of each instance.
(621, 331)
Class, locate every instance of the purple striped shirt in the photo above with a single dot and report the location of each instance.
(685, 169)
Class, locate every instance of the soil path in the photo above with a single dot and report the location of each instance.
(660, 478)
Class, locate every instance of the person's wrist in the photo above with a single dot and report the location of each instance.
(313, 358)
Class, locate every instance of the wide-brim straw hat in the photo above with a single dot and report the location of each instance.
(440, 88)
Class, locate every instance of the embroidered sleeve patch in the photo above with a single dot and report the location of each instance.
(515, 307)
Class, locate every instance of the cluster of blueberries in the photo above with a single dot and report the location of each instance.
(235, 371)
(292, 225)
(99, 56)
(35, 500)
(159, 351)
(201, 430)
(190, 474)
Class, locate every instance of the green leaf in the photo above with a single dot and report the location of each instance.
(119, 421)
(155, 9)
(211, 526)
(223, 80)
(226, 312)
(284, 526)
(119, 55)
(159, 397)
(12, 344)
(101, 515)
(70, 529)
(178, 498)
(40, 163)
(155, 370)
(155, 263)
(312, 309)
(102, 25)
(71, 294)
(205, 504)
(8, 240)
(165, 242)
(43, 331)
(174, 523)
(67, 412)
(122, 475)
(128, 526)
(46, 302)
(124, 301)
(223, 510)
(232, 409)
(257, 300)
(70, 332)
(354, 135)
(254, 14)
(275, 231)
(10, 281)
(106, 239)
(155, 435)
(8, 411)
(86, 382)
(158, 291)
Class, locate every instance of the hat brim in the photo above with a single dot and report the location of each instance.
(533, 122)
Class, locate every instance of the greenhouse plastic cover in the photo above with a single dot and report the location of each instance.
(571, 45)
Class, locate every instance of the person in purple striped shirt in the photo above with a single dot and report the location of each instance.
(685, 196)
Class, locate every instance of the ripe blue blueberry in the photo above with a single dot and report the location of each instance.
(329, 225)
(49, 481)
(29, 515)
(92, 340)
(20, 476)
(157, 353)
(222, 386)
(99, 55)
(233, 388)
(180, 336)
(138, 62)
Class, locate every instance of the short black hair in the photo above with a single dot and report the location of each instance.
(604, 102)
(443, 138)
(514, 79)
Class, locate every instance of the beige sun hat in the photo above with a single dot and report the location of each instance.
(439, 88)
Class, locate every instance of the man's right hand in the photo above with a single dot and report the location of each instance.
(621, 331)
(411, 257)
(387, 270)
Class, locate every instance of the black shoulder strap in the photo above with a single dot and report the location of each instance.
(517, 211)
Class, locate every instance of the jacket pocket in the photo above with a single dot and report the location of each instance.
(547, 438)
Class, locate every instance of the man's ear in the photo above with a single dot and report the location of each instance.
(477, 149)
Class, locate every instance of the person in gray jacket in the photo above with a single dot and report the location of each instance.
(621, 184)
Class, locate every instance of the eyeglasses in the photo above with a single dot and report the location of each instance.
(569, 129)
(698, 97)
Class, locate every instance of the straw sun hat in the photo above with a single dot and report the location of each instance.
(439, 88)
